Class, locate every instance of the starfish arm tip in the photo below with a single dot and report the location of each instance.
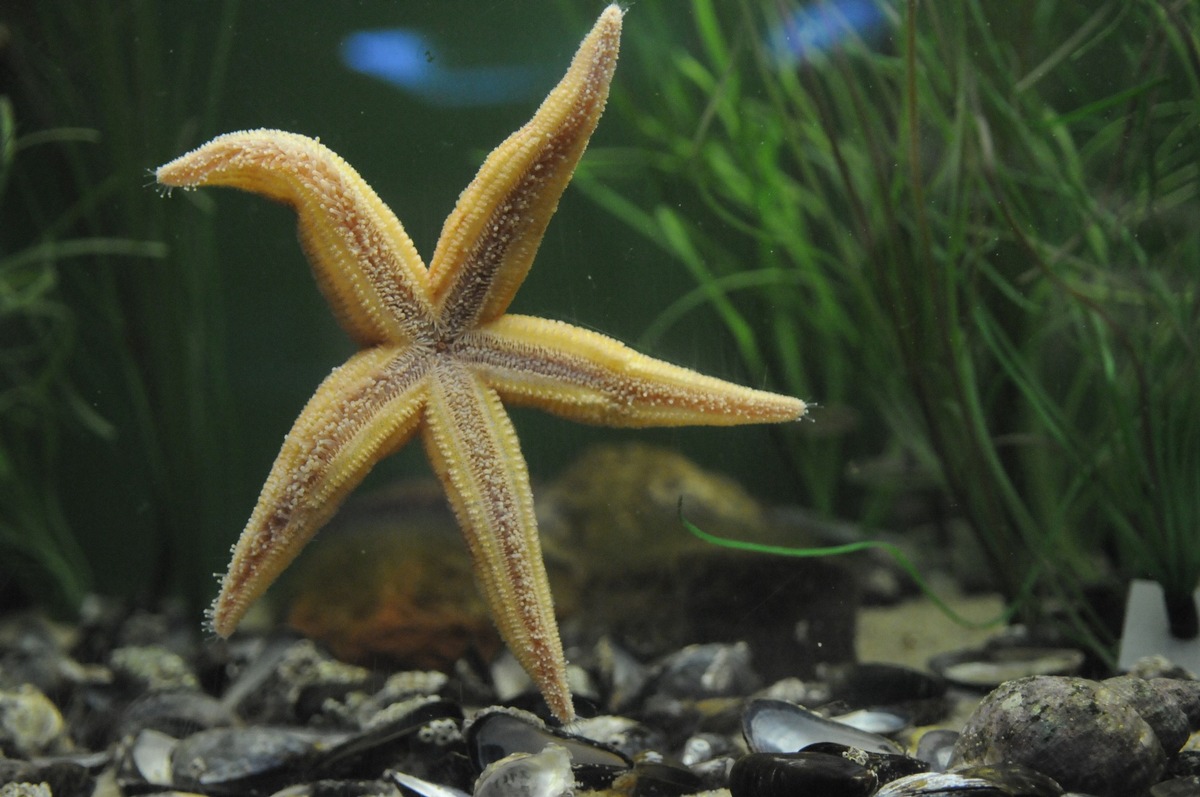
(167, 175)
(223, 617)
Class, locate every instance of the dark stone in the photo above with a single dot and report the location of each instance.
(1082, 733)
(1185, 693)
(1160, 710)
(868, 685)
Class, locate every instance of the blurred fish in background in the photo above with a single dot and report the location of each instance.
(818, 27)
(409, 60)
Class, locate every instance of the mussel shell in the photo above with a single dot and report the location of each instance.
(512, 686)
(987, 668)
(547, 773)
(776, 726)
(936, 747)
(288, 681)
(30, 723)
(708, 670)
(714, 773)
(704, 747)
(241, 760)
(621, 734)
(622, 676)
(333, 788)
(147, 759)
(882, 721)
(1017, 780)
(423, 788)
(886, 766)
(1000, 780)
(940, 784)
(174, 712)
(388, 733)
(660, 779)
(780, 774)
(498, 733)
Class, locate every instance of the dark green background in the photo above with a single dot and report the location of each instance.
(283, 71)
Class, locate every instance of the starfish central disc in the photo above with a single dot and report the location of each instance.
(440, 355)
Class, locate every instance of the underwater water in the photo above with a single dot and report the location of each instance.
(412, 97)
(965, 236)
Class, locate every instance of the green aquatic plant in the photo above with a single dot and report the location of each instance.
(113, 474)
(1110, 306)
(971, 230)
(1125, 439)
(38, 399)
(845, 549)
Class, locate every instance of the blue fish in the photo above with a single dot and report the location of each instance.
(821, 26)
(407, 59)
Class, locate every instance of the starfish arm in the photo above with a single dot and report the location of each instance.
(363, 260)
(474, 450)
(488, 243)
(363, 411)
(585, 376)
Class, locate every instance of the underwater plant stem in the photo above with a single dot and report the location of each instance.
(931, 324)
(912, 126)
(855, 547)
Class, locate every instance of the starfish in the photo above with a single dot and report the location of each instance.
(440, 355)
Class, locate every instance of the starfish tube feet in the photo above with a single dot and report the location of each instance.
(488, 242)
(589, 377)
(363, 411)
(361, 256)
(474, 451)
(439, 354)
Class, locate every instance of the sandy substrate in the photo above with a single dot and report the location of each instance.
(912, 632)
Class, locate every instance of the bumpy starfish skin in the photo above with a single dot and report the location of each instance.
(440, 355)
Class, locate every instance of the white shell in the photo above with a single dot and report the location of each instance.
(544, 774)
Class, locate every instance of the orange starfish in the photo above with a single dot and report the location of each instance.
(439, 355)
